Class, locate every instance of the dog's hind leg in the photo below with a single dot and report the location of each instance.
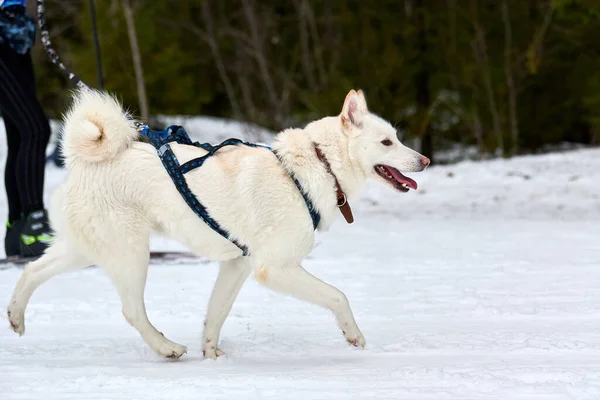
(58, 258)
(232, 275)
(295, 281)
(128, 273)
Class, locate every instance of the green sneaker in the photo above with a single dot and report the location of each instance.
(35, 234)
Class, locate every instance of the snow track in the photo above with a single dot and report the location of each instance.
(482, 285)
(467, 310)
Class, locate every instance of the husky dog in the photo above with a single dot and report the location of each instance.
(117, 193)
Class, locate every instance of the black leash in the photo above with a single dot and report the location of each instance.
(45, 37)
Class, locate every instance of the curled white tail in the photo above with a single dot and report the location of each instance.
(96, 128)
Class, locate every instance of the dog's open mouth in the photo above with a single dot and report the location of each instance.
(395, 178)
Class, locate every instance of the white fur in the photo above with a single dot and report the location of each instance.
(103, 129)
(117, 192)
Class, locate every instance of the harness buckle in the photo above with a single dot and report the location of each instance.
(164, 148)
(343, 200)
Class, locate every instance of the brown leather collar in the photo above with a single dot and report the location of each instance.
(342, 201)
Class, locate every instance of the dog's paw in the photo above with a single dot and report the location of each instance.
(170, 349)
(175, 352)
(355, 338)
(16, 319)
(210, 349)
(357, 341)
(212, 352)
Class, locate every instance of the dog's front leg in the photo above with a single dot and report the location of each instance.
(232, 275)
(297, 282)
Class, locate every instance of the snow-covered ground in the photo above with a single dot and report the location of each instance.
(481, 285)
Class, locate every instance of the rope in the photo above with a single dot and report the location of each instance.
(45, 38)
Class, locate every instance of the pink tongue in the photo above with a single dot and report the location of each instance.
(401, 178)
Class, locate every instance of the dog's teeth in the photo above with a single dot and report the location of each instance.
(404, 186)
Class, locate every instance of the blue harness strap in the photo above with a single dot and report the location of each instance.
(175, 133)
(314, 214)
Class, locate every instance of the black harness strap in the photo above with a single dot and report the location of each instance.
(177, 134)
(314, 214)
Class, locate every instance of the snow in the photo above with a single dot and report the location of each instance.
(481, 285)
(216, 130)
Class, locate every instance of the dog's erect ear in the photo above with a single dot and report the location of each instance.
(354, 109)
(363, 101)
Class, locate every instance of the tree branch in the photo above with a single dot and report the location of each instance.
(510, 82)
(209, 37)
(137, 61)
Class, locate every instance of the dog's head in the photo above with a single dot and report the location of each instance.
(374, 144)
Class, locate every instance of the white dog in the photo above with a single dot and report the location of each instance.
(117, 192)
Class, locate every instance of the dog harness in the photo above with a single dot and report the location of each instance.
(175, 133)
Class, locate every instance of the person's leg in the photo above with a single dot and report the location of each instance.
(19, 102)
(31, 160)
(10, 177)
(14, 222)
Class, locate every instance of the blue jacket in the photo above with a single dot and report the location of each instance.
(17, 30)
(8, 3)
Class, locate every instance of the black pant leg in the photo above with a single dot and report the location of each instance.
(19, 103)
(34, 155)
(10, 175)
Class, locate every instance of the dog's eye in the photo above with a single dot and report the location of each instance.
(386, 142)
